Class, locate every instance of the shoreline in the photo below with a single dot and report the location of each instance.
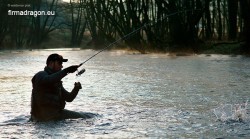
(175, 52)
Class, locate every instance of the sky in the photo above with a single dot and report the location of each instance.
(66, 0)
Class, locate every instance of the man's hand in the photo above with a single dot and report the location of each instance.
(78, 85)
(71, 69)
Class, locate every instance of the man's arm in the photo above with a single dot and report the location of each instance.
(45, 78)
(70, 96)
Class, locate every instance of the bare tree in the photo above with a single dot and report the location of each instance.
(78, 10)
(245, 8)
(42, 25)
(3, 21)
(232, 22)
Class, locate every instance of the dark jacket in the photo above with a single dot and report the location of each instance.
(48, 94)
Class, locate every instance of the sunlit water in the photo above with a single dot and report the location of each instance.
(135, 96)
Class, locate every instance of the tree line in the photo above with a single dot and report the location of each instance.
(153, 24)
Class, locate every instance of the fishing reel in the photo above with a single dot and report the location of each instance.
(79, 73)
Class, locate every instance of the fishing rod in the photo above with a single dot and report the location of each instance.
(124, 38)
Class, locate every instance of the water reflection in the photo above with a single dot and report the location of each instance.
(136, 96)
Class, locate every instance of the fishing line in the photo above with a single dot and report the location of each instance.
(125, 37)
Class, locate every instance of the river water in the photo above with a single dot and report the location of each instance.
(134, 96)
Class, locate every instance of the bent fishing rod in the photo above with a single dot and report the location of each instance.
(126, 36)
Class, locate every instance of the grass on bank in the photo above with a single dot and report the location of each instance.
(223, 48)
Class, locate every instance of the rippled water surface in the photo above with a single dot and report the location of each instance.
(135, 96)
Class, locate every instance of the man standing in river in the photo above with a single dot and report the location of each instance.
(48, 94)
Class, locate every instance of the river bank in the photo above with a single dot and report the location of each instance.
(59, 39)
(224, 49)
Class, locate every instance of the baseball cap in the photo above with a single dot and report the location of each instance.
(55, 57)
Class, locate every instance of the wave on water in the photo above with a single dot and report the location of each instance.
(232, 112)
(19, 120)
(23, 119)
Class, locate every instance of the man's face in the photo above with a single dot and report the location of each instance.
(57, 65)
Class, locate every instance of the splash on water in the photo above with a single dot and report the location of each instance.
(236, 112)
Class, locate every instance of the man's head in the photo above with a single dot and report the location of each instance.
(54, 61)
